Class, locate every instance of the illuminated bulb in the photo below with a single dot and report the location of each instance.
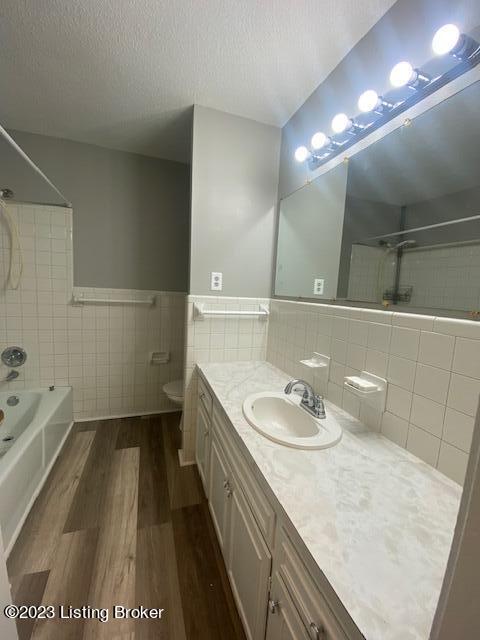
(369, 101)
(301, 154)
(341, 122)
(319, 140)
(402, 74)
(445, 39)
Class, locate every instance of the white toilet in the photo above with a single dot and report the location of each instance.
(174, 391)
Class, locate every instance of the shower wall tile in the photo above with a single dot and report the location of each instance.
(101, 350)
(431, 365)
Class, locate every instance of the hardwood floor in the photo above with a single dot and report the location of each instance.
(119, 522)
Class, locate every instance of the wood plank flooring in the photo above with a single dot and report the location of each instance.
(119, 522)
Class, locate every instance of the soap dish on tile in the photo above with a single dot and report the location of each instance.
(317, 361)
(369, 387)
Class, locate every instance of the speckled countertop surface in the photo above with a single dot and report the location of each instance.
(377, 520)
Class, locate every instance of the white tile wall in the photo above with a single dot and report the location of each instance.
(218, 339)
(371, 272)
(431, 364)
(441, 277)
(101, 350)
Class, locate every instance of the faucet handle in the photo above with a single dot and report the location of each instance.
(319, 406)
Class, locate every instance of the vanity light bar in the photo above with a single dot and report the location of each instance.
(447, 40)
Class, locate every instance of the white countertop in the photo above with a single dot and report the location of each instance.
(377, 520)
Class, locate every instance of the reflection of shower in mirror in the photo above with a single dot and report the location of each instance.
(16, 255)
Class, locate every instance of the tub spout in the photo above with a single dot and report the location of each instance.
(12, 375)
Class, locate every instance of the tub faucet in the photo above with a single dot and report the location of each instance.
(12, 375)
(311, 402)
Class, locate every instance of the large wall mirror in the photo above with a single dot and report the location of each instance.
(399, 225)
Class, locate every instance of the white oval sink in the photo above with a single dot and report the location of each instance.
(280, 418)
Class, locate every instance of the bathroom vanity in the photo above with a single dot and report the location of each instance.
(347, 542)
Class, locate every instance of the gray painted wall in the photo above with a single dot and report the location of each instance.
(310, 237)
(130, 212)
(461, 204)
(404, 32)
(234, 193)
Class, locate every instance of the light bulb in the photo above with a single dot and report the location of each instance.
(445, 39)
(301, 154)
(401, 74)
(319, 140)
(368, 101)
(341, 122)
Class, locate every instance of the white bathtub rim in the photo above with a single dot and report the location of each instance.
(40, 485)
(117, 416)
(41, 417)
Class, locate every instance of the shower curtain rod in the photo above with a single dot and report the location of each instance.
(29, 161)
(426, 228)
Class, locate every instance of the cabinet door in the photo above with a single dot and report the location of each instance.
(307, 596)
(218, 491)
(283, 622)
(202, 448)
(248, 565)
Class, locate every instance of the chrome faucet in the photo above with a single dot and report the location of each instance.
(311, 402)
(11, 376)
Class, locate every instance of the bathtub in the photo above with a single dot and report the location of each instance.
(36, 425)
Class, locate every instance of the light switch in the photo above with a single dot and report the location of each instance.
(318, 286)
(216, 281)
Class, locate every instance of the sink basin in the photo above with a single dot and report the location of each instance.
(280, 418)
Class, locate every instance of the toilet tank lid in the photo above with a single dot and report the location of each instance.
(174, 388)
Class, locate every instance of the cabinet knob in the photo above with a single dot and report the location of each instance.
(202, 395)
(316, 632)
(228, 488)
(272, 606)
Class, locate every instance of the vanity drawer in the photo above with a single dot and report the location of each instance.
(244, 476)
(204, 396)
(307, 597)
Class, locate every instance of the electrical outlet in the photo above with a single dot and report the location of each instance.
(216, 281)
(318, 286)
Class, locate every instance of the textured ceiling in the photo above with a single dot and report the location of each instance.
(124, 73)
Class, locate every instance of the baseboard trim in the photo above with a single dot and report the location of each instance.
(182, 461)
(127, 415)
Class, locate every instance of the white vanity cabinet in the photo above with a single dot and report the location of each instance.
(284, 622)
(203, 433)
(276, 596)
(248, 563)
(219, 492)
(247, 557)
(291, 578)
